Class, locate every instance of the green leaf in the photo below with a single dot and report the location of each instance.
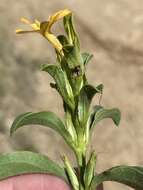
(62, 83)
(25, 162)
(47, 119)
(85, 98)
(128, 175)
(86, 57)
(100, 113)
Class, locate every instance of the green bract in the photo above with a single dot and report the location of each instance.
(69, 76)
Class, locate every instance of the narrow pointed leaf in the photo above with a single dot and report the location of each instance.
(99, 113)
(47, 119)
(85, 98)
(128, 175)
(62, 83)
(25, 162)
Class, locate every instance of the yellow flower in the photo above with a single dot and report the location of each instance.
(44, 28)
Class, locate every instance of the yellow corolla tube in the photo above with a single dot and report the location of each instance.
(44, 28)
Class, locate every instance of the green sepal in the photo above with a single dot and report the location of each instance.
(128, 175)
(46, 119)
(99, 113)
(25, 162)
(62, 83)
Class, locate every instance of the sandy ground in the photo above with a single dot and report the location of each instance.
(113, 32)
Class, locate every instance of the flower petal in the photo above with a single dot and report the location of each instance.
(35, 25)
(58, 15)
(54, 41)
(20, 31)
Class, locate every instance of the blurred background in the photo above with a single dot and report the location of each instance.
(113, 32)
